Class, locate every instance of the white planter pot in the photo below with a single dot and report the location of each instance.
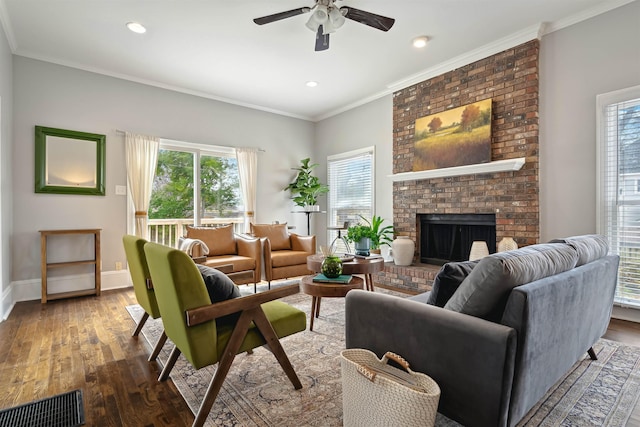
(403, 249)
(312, 208)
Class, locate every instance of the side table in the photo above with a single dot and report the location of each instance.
(319, 290)
(365, 267)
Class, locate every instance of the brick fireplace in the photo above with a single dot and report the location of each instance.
(510, 79)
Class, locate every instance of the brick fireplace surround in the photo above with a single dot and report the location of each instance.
(510, 78)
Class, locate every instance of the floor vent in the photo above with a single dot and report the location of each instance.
(63, 410)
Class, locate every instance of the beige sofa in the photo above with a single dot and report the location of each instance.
(285, 255)
(228, 248)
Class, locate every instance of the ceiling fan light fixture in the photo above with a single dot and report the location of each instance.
(336, 18)
(420, 41)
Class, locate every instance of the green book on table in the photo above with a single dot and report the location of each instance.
(343, 278)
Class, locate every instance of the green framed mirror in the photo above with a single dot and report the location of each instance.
(69, 162)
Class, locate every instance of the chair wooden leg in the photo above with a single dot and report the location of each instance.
(158, 347)
(173, 357)
(229, 353)
(141, 323)
(269, 334)
(592, 354)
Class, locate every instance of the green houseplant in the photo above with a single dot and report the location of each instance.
(306, 188)
(379, 235)
(361, 236)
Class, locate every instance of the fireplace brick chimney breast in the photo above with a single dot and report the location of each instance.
(510, 78)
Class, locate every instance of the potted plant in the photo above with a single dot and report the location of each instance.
(379, 235)
(361, 236)
(306, 188)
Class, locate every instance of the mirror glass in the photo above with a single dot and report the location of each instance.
(69, 162)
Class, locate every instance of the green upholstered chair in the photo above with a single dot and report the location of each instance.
(142, 286)
(189, 320)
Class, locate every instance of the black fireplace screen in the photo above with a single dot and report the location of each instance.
(448, 237)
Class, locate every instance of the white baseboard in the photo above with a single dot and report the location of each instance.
(29, 290)
(626, 313)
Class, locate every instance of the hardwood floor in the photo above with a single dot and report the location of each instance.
(85, 343)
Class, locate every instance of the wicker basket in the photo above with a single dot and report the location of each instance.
(376, 394)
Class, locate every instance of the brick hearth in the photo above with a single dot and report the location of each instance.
(510, 79)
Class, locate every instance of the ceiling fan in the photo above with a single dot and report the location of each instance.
(328, 17)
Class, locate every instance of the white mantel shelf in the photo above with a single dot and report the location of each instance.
(497, 166)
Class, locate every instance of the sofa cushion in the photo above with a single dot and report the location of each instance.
(485, 290)
(276, 233)
(287, 258)
(590, 247)
(447, 281)
(240, 263)
(220, 240)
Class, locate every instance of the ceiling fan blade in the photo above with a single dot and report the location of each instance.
(367, 18)
(282, 15)
(322, 40)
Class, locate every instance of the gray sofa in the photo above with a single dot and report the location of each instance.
(508, 327)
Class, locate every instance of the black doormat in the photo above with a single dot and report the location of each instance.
(63, 410)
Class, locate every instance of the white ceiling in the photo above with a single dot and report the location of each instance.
(213, 49)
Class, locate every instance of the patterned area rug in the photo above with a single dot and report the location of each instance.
(257, 392)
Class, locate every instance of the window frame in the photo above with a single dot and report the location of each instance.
(609, 201)
(198, 150)
(331, 234)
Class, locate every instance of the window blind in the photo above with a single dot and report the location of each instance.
(351, 182)
(619, 138)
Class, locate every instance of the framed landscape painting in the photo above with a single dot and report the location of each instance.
(457, 137)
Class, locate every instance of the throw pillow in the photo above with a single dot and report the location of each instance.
(276, 233)
(590, 247)
(485, 290)
(220, 288)
(450, 276)
(220, 240)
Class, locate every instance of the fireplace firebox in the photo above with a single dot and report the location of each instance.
(448, 237)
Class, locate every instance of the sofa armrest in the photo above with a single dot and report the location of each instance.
(265, 244)
(248, 246)
(303, 243)
(471, 359)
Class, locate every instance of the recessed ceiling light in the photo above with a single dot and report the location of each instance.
(420, 41)
(136, 27)
(311, 83)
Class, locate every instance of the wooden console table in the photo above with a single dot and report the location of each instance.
(45, 266)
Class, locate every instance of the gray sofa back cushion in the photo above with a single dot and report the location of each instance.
(484, 292)
(590, 247)
(449, 278)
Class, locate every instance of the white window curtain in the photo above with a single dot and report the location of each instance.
(618, 134)
(141, 160)
(248, 171)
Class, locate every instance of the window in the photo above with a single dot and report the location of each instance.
(351, 189)
(619, 200)
(193, 185)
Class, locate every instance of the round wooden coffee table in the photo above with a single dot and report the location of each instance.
(326, 290)
(366, 267)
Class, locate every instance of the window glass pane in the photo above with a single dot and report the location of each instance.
(621, 200)
(219, 188)
(171, 205)
(351, 184)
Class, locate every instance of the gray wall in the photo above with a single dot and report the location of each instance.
(365, 126)
(6, 142)
(61, 97)
(577, 63)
